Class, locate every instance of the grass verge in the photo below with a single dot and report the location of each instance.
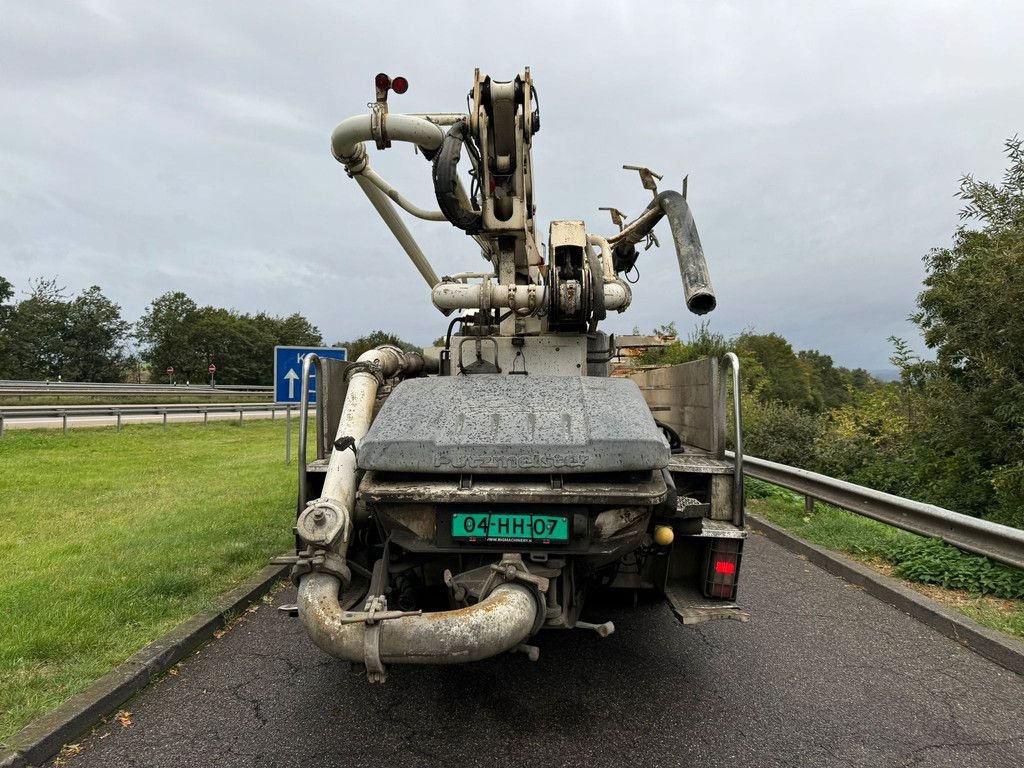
(109, 540)
(988, 592)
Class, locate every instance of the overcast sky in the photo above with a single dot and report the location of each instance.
(149, 147)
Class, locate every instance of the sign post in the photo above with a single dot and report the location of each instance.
(170, 375)
(212, 369)
(288, 371)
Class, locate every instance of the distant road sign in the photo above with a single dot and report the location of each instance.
(288, 371)
(212, 368)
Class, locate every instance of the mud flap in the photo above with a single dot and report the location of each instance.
(691, 607)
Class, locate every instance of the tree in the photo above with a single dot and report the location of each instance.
(356, 347)
(700, 342)
(970, 400)
(176, 332)
(166, 331)
(6, 311)
(780, 375)
(37, 332)
(94, 338)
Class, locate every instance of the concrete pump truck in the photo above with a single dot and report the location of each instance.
(465, 499)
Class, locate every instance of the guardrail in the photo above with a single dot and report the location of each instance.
(999, 542)
(66, 413)
(92, 389)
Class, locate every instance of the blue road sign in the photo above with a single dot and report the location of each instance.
(288, 371)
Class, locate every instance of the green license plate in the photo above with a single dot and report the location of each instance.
(500, 526)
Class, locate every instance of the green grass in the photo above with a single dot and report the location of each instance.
(109, 540)
(989, 592)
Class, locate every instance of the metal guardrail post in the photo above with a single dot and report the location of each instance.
(164, 412)
(64, 420)
(206, 417)
(288, 434)
(739, 503)
(312, 360)
(240, 413)
(273, 413)
(1, 425)
(117, 412)
(808, 505)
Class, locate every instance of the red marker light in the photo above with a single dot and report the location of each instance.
(725, 567)
(399, 85)
(382, 81)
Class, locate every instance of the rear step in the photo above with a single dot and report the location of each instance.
(691, 607)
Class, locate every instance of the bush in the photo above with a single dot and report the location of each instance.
(780, 432)
(931, 561)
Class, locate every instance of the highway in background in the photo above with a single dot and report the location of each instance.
(823, 675)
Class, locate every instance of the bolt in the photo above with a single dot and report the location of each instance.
(318, 516)
(510, 572)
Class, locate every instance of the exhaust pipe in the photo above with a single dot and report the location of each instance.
(498, 623)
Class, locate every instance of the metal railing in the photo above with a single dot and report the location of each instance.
(10, 388)
(118, 412)
(999, 542)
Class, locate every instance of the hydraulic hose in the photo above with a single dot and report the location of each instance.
(446, 179)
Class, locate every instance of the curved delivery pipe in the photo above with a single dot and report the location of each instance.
(693, 268)
(496, 624)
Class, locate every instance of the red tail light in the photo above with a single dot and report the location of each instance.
(400, 85)
(725, 566)
(382, 81)
(722, 568)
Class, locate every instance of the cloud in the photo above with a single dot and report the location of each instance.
(154, 147)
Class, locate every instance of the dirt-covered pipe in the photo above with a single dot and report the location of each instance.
(693, 267)
(327, 522)
(496, 624)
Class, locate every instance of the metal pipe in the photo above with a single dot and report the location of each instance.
(607, 267)
(312, 359)
(396, 196)
(439, 118)
(496, 624)
(693, 267)
(337, 500)
(451, 296)
(738, 506)
(382, 203)
(347, 137)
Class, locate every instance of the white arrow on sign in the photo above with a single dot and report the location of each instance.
(291, 377)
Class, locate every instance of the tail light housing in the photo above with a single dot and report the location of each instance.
(722, 568)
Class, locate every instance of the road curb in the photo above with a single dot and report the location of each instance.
(43, 737)
(986, 642)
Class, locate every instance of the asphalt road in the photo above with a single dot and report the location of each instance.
(823, 675)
